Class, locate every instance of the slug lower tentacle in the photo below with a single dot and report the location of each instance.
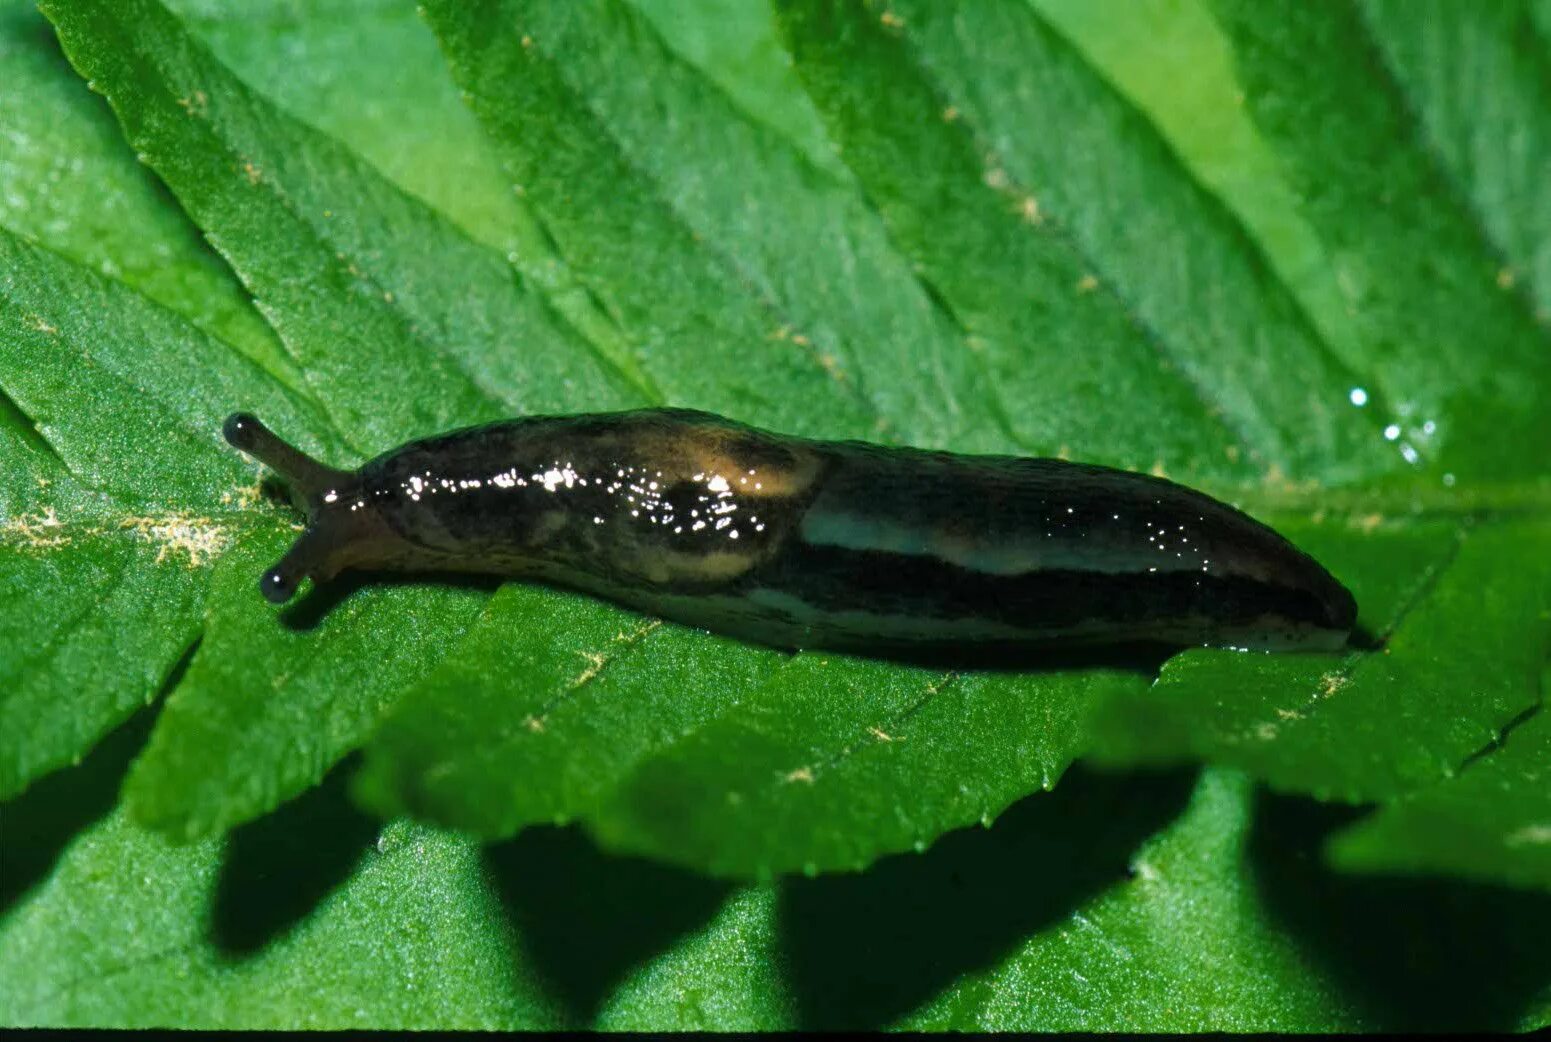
(802, 543)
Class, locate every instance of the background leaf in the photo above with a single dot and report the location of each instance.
(854, 247)
(1055, 918)
(1488, 823)
(1365, 727)
(72, 184)
(488, 761)
(286, 197)
(117, 498)
(1415, 261)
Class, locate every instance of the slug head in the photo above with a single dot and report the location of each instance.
(342, 528)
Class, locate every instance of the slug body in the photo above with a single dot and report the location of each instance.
(801, 543)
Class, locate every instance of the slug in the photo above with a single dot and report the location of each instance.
(810, 544)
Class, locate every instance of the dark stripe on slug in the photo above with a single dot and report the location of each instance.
(833, 580)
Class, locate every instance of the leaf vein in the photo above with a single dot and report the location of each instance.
(772, 309)
(1056, 229)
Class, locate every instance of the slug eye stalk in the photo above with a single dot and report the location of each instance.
(307, 479)
(314, 488)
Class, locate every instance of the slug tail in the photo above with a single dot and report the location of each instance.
(307, 479)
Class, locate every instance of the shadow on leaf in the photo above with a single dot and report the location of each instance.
(277, 869)
(41, 822)
(865, 949)
(308, 611)
(1417, 954)
(587, 918)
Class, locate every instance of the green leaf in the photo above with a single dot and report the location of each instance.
(790, 774)
(73, 185)
(696, 768)
(741, 762)
(690, 233)
(656, 237)
(116, 496)
(368, 74)
(1419, 267)
(1492, 822)
(277, 197)
(1462, 649)
(148, 934)
(312, 230)
(1172, 63)
(1229, 923)
(603, 687)
(1082, 910)
(930, 110)
(462, 749)
(737, 46)
(1482, 128)
(313, 687)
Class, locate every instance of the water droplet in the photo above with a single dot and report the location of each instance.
(1358, 396)
(1392, 432)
